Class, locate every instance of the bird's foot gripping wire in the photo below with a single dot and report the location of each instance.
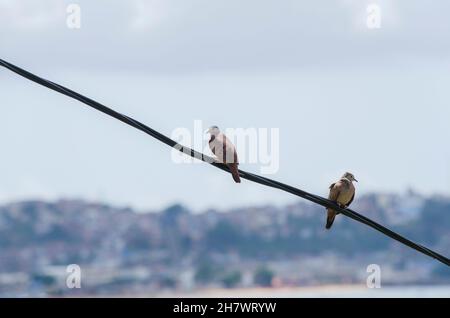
(343, 206)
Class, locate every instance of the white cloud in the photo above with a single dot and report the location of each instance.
(390, 14)
(197, 35)
(29, 15)
(148, 13)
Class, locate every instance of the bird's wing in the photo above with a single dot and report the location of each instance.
(334, 192)
(212, 143)
(230, 154)
(225, 149)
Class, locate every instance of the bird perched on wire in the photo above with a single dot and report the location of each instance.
(224, 150)
(343, 193)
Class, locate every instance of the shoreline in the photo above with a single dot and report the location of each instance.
(325, 291)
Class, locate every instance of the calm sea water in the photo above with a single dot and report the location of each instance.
(329, 291)
(388, 292)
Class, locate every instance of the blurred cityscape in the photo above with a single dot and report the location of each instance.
(123, 252)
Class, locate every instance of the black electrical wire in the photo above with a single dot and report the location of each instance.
(244, 174)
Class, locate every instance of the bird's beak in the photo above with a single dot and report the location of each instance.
(206, 131)
(355, 180)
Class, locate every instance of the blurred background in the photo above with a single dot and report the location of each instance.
(366, 86)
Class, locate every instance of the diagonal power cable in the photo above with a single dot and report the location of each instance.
(244, 174)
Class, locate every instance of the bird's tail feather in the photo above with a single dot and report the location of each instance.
(235, 172)
(331, 214)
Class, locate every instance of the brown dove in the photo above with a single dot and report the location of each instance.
(341, 192)
(224, 150)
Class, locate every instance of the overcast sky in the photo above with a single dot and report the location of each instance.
(344, 97)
